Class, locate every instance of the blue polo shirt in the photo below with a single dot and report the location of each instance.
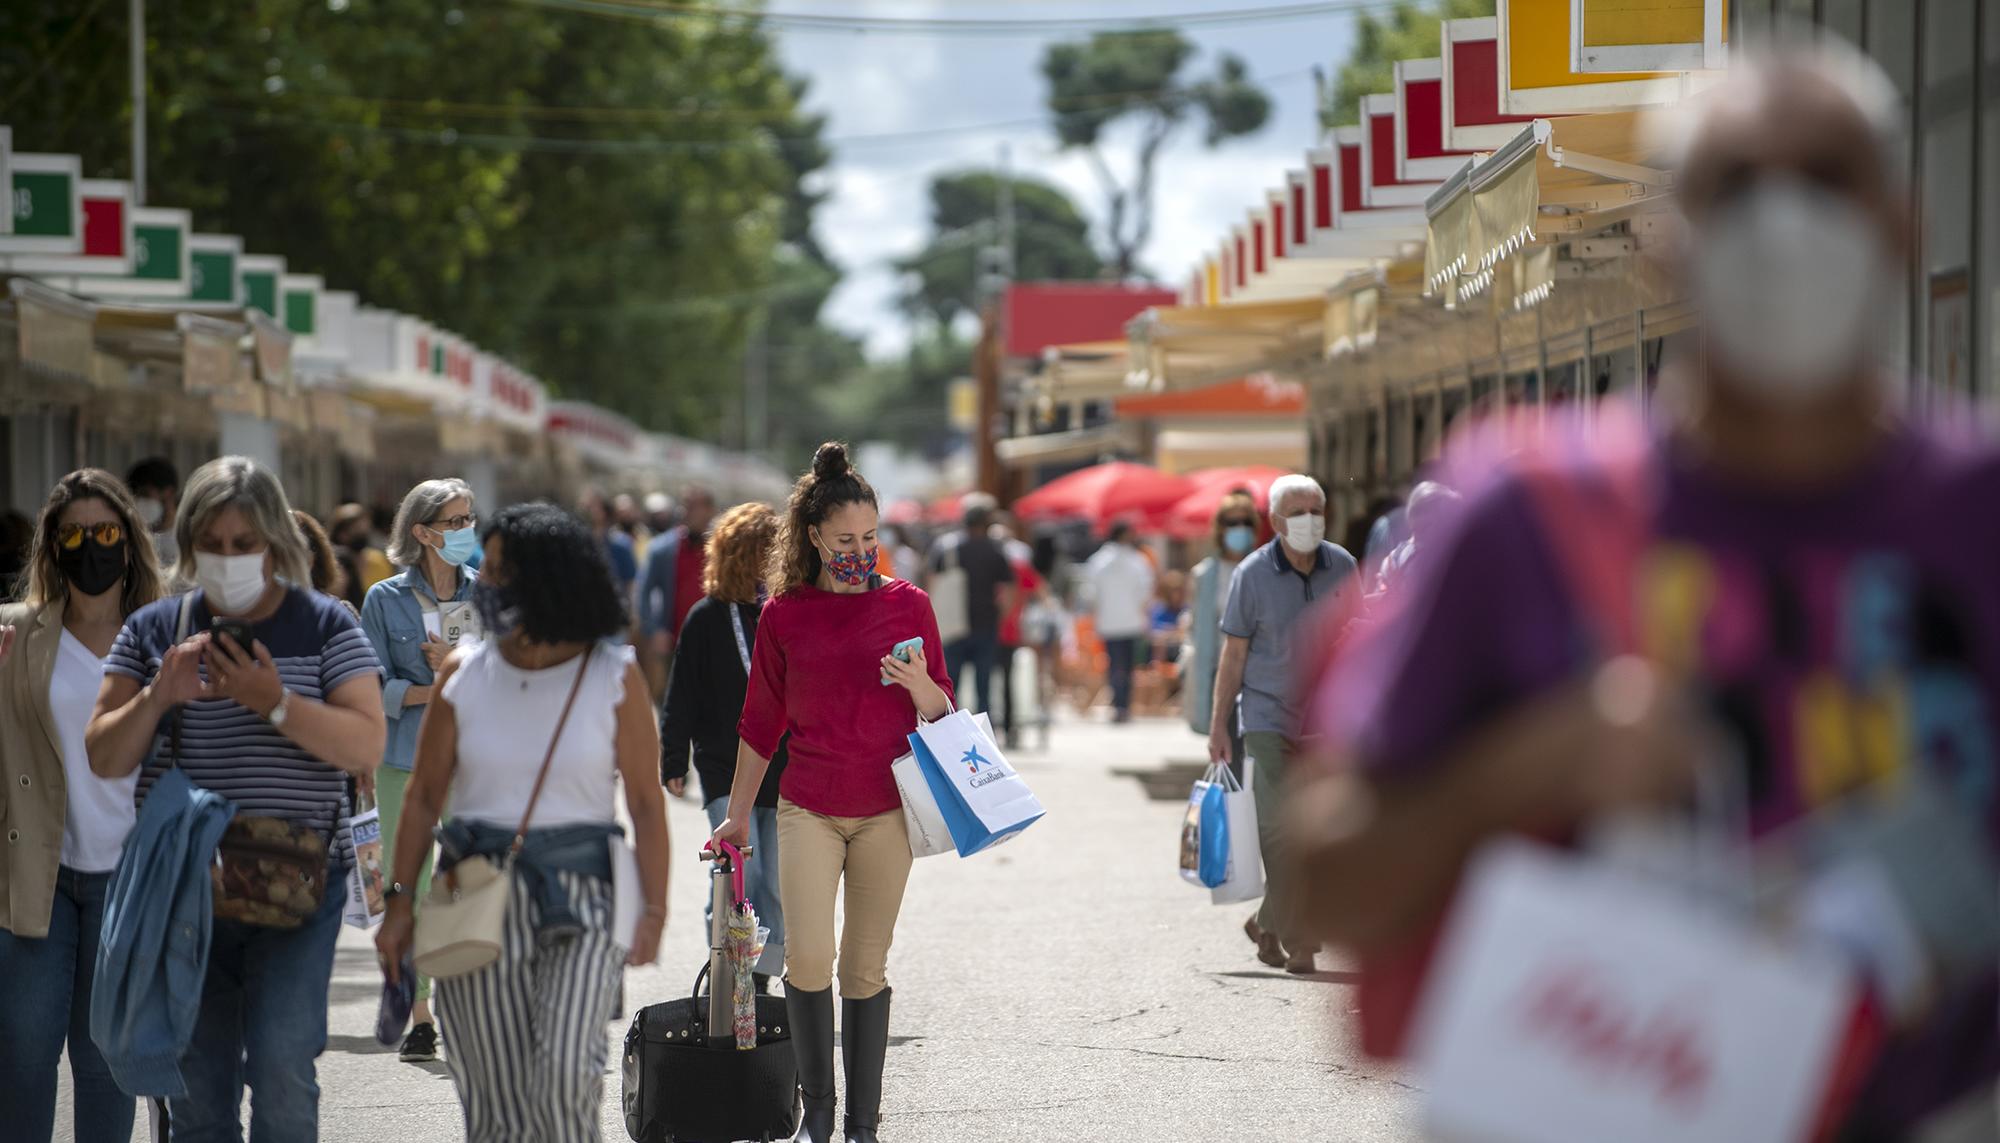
(1268, 599)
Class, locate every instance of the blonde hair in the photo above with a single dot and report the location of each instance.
(241, 483)
(737, 552)
(45, 585)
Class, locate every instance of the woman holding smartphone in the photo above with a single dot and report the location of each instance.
(824, 671)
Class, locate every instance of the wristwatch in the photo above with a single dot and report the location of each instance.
(393, 890)
(277, 716)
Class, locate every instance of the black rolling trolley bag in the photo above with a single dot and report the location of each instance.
(681, 1086)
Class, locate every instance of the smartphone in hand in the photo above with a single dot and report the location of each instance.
(239, 632)
(904, 651)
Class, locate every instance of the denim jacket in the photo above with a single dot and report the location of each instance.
(393, 618)
(581, 849)
(153, 955)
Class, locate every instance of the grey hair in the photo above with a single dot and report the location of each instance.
(1296, 484)
(243, 484)
(420, 506)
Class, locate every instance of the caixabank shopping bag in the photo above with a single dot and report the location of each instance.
(982, 799)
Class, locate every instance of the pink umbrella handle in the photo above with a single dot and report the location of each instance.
(735, 856)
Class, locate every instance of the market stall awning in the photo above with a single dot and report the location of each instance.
(1259, 395)
(1114, 439)
(1189, 347)
(1104, 494)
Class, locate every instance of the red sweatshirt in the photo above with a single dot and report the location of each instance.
(816, 672)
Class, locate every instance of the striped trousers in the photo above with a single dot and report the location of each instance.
(524, 1036)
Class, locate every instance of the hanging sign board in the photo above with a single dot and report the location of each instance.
(298, 305)
(160, 262)
(1648, 35)
(1535, 73)
(213, 264)
(106, 227)
(46, 197)
(259, 274)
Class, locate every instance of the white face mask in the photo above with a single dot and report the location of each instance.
(1304, 533)
(1793, 282)
(152, 512)
(234, 583)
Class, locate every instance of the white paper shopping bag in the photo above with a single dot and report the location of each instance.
(929, 836)
(365, 906)
(983, 800)
(1573, 1001)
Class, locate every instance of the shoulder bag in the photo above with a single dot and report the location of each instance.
(459, 929)
(268, 871)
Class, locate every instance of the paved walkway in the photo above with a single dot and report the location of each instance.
(1069, 986)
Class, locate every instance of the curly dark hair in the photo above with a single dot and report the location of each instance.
(556, 574)
(832, 484)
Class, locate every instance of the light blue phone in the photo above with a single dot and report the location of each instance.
(903, 651)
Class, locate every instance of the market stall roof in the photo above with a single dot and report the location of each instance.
(1184, 347)
(1087, 371)
(1473, 120)
(1421, 153)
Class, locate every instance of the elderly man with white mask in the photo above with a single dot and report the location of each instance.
(1262, 620)
(1810, 590)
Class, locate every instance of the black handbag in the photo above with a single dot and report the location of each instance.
(680, 1086)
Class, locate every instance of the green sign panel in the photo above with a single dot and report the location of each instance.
(299, 315)
(44, 205)
(156, 253)
(214, 274)
(260, 291)
(437, 358)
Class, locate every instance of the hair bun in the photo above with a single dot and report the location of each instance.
(830, 461)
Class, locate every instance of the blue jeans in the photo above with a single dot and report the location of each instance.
(981, 649)
(45, 1002)
(760, 880)
(263, 1021)
(1121, 654)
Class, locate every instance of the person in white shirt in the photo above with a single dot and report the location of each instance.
(1121, 588)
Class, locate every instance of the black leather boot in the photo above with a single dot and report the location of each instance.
(812, 1043)
(864, 1044)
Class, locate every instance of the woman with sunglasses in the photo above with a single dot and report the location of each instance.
(1236, 534)
(90, 565)
(435, 535)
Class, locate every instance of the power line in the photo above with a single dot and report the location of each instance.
(850, 23)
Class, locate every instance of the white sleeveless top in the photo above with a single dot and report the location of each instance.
(505, 717)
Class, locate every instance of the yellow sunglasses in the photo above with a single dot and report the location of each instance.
(70, 536)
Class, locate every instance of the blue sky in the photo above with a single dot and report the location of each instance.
(876, 84)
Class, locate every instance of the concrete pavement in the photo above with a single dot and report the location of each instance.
(1067, 986)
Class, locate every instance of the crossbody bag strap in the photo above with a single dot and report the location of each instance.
(521, 834)
(181, 626)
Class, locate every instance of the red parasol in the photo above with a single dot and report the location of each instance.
(902, 513)
(946, 510)
(1106, 493)
(1193, 515)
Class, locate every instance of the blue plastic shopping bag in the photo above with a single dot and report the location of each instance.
(1205, 833)
(983, 801)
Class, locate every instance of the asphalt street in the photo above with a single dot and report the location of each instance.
(1068, 986)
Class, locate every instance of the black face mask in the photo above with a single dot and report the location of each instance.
(495, 604)
(93, 568)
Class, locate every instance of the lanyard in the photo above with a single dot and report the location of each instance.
(742, 644)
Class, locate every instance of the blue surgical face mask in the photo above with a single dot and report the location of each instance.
(1239, 539)
(459, 545)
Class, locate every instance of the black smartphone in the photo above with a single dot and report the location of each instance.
(237, 630)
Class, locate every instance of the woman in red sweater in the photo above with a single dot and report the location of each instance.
(822, 671)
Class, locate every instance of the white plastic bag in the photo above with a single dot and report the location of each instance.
(1245, 881)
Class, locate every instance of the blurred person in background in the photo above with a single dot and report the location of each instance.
(673, 581)
(1120, 579)
(595, 508)
(1234, 534)
(352, 530)
(548, 712)
(91, 565)
(328, 576)
(711, 674)
(1431, 504)
(1264, 620)
(1168, 616)
(1019, 626)
(277, 728)
(155, 485)
(626, 516)
(990, 592)
(661, 513)
(437, 527)
(1802, 538)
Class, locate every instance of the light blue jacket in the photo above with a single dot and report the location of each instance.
(393, 618)
(153, 955)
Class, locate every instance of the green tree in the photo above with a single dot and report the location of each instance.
(1051, 242)
(612, 203)
(1138, 77)
(1409, 31)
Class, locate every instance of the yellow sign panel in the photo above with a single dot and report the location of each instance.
(1662, 35)
(1538, 40)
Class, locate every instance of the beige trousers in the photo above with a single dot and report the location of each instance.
(814, 851)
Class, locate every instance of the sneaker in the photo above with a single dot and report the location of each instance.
(420, 1046)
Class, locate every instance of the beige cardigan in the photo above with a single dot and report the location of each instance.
(33, 792)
